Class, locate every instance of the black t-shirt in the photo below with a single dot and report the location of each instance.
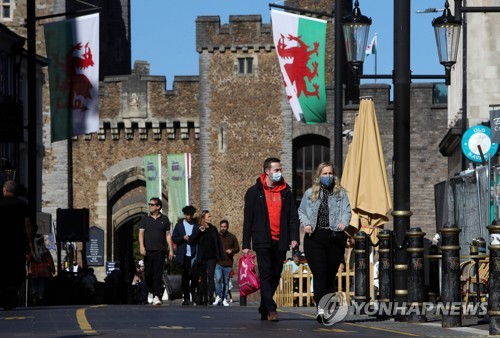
(155, 231)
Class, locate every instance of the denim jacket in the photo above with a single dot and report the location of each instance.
(338, 206)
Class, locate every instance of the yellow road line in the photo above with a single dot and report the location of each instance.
(83, 322)
(382, 329)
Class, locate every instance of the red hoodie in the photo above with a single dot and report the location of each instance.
(273, 202)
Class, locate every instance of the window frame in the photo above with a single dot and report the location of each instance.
(10, 5)
(245, 65)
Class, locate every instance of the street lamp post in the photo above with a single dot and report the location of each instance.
(401, 157)
(32, 110)
(355, 28)
(447, 29)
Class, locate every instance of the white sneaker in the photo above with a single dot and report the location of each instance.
(320, 316)
(225, 302)
(217, 301)
(150, 298)
(157, 301)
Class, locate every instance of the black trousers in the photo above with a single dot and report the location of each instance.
(153, 269)
(324, 251)
(207, 279)
(270, 265)
(14, 264)
(189, 278)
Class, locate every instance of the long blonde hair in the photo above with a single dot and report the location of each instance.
(202, 217)
(316, 187)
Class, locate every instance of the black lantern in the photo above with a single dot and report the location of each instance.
(356, 28)
(447, 30)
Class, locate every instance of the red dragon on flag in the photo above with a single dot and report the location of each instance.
(74, 65)
(296, 59)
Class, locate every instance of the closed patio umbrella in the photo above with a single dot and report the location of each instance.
(364, 175)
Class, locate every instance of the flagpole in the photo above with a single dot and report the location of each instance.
(32, 109)
(376, 56)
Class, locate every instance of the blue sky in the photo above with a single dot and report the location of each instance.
(163, 33)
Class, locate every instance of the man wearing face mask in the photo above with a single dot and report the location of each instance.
(325, 213)
(271, 224)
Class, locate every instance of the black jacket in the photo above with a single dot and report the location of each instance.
(214, 234)
(256, 228)
(178, 238)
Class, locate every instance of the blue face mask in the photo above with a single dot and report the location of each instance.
(326, 181)
(276, 177)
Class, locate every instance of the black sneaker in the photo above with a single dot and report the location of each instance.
(186, 302)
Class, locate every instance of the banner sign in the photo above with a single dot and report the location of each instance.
(495, 123)
(477, 144)
(95, 247)
(179, 173)
(152, 172)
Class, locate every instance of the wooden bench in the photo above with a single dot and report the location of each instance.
(303, 295)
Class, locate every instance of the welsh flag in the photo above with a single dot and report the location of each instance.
(300, 46)
(372, 47)
(73, 53)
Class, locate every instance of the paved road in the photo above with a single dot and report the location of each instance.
(174, 320)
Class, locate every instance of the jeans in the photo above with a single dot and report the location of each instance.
(222, 280)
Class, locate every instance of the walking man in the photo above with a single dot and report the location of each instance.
(186, 253)
(271, 223)
(154, 234)
(225, 266)
(17, 233)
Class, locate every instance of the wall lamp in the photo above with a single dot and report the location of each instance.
(447, 31)
(356, 28)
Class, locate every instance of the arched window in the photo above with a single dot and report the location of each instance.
(308, 152)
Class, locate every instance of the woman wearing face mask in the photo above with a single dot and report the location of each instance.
(324, 214)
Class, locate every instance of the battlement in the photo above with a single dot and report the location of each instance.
(242, 32)
(139, 105)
